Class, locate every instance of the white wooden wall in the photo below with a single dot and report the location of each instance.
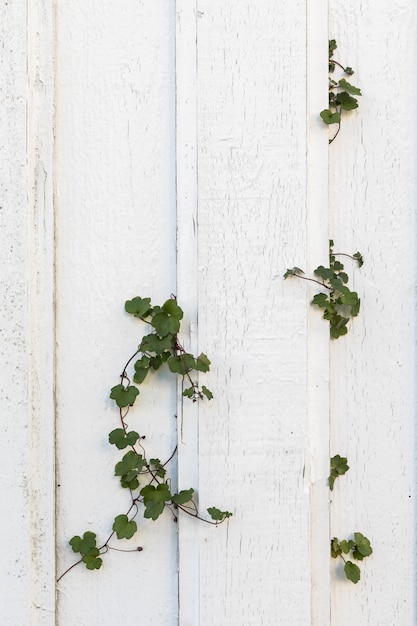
(175, 147)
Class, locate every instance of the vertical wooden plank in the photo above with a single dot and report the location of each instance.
(14, 325)
(41, 375)
(26, 325)
(115, 239)
(318, 333)
(187, 290)
(252, 201)
(373, 199)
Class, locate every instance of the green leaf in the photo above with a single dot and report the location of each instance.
(183, 496)
(346, 101)
(92, 562)
(330, 118)
(129, 468)
(335, 548)
(154, 499)
(352, 572)
(122, 439)
(363, 545)
(124, 396)
(124, 528)
(351, 89)
(153, 343)
(158, 467)
(171, 308)
(202, 363)
(207, 392)
(359, 258)
(139, 307)
(181, 364)
(321, 300)
(293, 272)
(86, 545)
(346, 546)
(217, 515)
(165, 324)
(189, 392)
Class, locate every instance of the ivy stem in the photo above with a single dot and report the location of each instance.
(313, 280)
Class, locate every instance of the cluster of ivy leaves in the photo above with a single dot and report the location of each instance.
(359, 547)
(146, 479)
(338, 467)
(339, 303)
(341, 93)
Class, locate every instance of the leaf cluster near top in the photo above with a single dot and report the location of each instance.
(339, 303)
(359, 547)
(341, 92)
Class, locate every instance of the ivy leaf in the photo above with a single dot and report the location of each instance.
(128, 469)
(86, 545)
(159, 468)
(154, 499)
(92, 562)
(346, 546)
(217, 515)
(202, 363)
(207, 392)
(330, 118)
(124, 396)
(352, 572)
(346, 101)
(335, 548)
(351, 89)
(124, 528)
(122, 439)
(293, 272)
(359, 258)
(321, 300)
(183, 496)
(153, 343)
(165, 324)
(138, 307)
(171, 308)
(181, 364)
(363, 546)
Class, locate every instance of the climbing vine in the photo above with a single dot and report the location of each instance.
(339, 303)
(146, 480)
(341, 93)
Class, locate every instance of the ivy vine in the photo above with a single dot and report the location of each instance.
(359, 548)
(341, 93)
(146, 480)
(339, 303)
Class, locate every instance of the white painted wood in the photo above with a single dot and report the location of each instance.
(252, 216)
(372, 199)
(317, 469)
(187, 290)
(27, 460)
(115, 134)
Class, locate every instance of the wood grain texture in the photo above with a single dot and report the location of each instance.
(26, 253)
(115, 192)
(372, 199)
(252, 226)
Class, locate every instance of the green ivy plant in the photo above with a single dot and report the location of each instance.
(338, 467)
(359, 548)
(341, 93)
(146, 480)
(339, 303)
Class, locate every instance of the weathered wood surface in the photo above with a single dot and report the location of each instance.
(213, 106)
(115, 198)
(372, 208)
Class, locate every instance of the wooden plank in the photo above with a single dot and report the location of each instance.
(26, 252)
(373, 198)
(187, 290)
(252, 215)
(115, 159)
(318, 335)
